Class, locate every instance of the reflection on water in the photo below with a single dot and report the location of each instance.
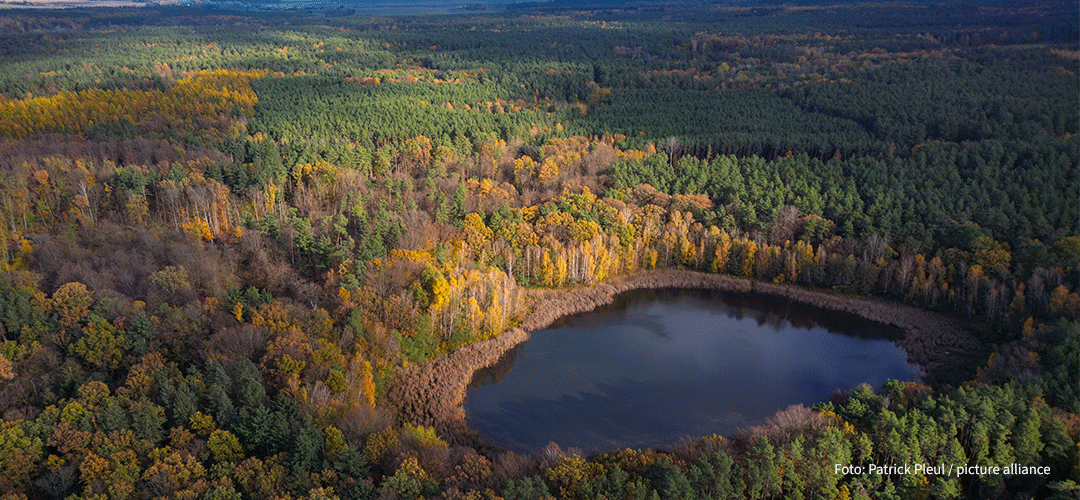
(656, 365)
(495, 373)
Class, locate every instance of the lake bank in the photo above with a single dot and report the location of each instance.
(432, 394)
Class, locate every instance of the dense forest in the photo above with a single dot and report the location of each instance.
(226, 235)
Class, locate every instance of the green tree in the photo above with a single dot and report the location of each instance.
(19, 453)
(147, 420)
(410, 481)
(101, 344)
(225, 447)
(763, 477)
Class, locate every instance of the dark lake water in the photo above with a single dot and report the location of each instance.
(657, 365)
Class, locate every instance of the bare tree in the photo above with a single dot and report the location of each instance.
(58, 481)
(788, 223)
(876, 246)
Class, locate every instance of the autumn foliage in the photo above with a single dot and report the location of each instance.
(274, 282)
(203, 105)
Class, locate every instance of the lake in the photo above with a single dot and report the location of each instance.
(657, 365)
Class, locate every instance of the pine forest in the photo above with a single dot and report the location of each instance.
(231, 242)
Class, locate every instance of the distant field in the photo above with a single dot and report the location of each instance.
(60, 4)
(377, 8)
(383, 8)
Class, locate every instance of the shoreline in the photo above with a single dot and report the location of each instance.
(433, 393)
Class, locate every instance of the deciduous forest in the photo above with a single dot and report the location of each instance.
(225, 236)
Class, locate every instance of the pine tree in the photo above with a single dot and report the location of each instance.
(763, 477)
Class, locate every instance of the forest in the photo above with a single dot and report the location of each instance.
(225, 237)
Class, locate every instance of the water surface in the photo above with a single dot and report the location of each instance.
(656, 365)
